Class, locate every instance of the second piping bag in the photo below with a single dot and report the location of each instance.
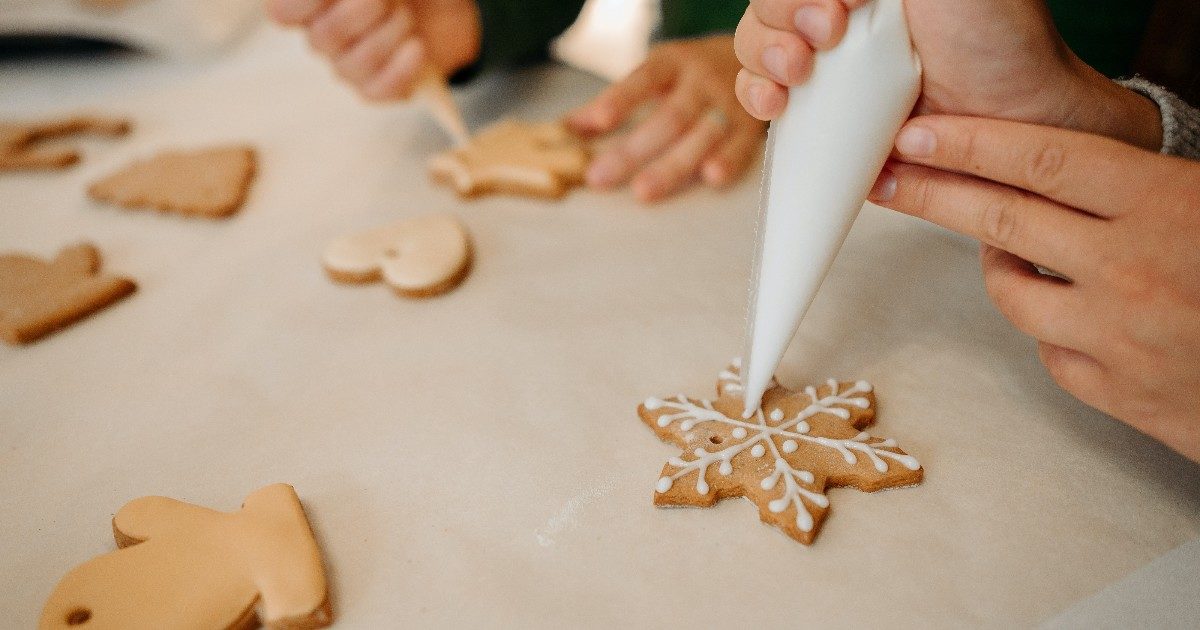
(823, 155)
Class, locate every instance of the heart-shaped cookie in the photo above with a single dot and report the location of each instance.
(418, 257)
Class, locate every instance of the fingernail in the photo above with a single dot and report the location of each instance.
(714, 173)
(775, 61)
(885, 186)
(813, 23)
(754, 94)
(916, 141)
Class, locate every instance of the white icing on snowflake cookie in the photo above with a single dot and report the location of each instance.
(782, 458)
(417, 257)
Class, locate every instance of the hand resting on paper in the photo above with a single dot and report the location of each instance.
(991, 58)
(696, 132)
(381, 46)
(1123, 335)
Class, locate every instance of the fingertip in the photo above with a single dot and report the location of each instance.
(884, 189)
(647, 189)
(815, 23)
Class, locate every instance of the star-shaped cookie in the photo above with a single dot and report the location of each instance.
(782, 459)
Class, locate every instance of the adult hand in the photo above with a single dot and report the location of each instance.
(1123, 335)
(696, 131)
(381, 46)
(991, 58)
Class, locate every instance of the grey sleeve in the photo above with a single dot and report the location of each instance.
(1180, 121)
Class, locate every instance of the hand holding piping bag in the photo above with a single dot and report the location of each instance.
(1115, 218)
(391, 51)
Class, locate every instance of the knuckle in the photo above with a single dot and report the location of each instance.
(999, 222)
(1045, 164)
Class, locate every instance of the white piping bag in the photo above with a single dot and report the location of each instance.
(823, 155)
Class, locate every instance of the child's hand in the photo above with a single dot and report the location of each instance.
(1121, 222)
(380, 46)
(696, 128)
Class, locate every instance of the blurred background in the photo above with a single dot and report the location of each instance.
(1159, 40)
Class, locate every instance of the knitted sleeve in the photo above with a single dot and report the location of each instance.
(1180, 121)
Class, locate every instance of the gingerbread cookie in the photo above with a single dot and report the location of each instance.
(418, 257)
(209, 182)
(783, 458)
(20, 142)
(38, 297)
(537, 160)
(183, 566)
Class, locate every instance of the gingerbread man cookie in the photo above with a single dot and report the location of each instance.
(20, 142)
(38, 297)
(183, 566)
(418, 257)
(211, 182)
(783, 458)
(537, 160)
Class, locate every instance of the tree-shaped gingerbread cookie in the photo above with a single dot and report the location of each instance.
(39, 297)
(184, 566)
(782, 459)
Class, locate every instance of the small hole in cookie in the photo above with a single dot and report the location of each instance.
(716, 439)
(78, 617)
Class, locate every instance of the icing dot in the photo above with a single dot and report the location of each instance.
(757, 450)
(804, 520)
(664, 484)
(910, 463)
(839, 412)
(861, 403)
(701, 485)
(778, 505)
(863, 385)
(687, 425)
(664, 420)
(739, 432)
(726, 468)
(881, 465)
(805, 476)
(777, 415)
(652, 404)
(790, 446)
(801, 427)
(699, 452)
(768, 482)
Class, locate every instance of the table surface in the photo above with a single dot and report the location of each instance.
(477, 458)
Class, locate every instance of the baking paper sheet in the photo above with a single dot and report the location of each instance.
(477, 458)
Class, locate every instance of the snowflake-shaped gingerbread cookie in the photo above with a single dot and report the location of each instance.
(782, 458)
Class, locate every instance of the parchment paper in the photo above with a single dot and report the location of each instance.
(477, 458)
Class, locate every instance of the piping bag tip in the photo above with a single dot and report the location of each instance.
(432, 85)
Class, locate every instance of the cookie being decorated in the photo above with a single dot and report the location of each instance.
(39, 297)
(782, 459)
(418, 257)
(211, 182)
(183, 566)
(531, 159)
(22, 145)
